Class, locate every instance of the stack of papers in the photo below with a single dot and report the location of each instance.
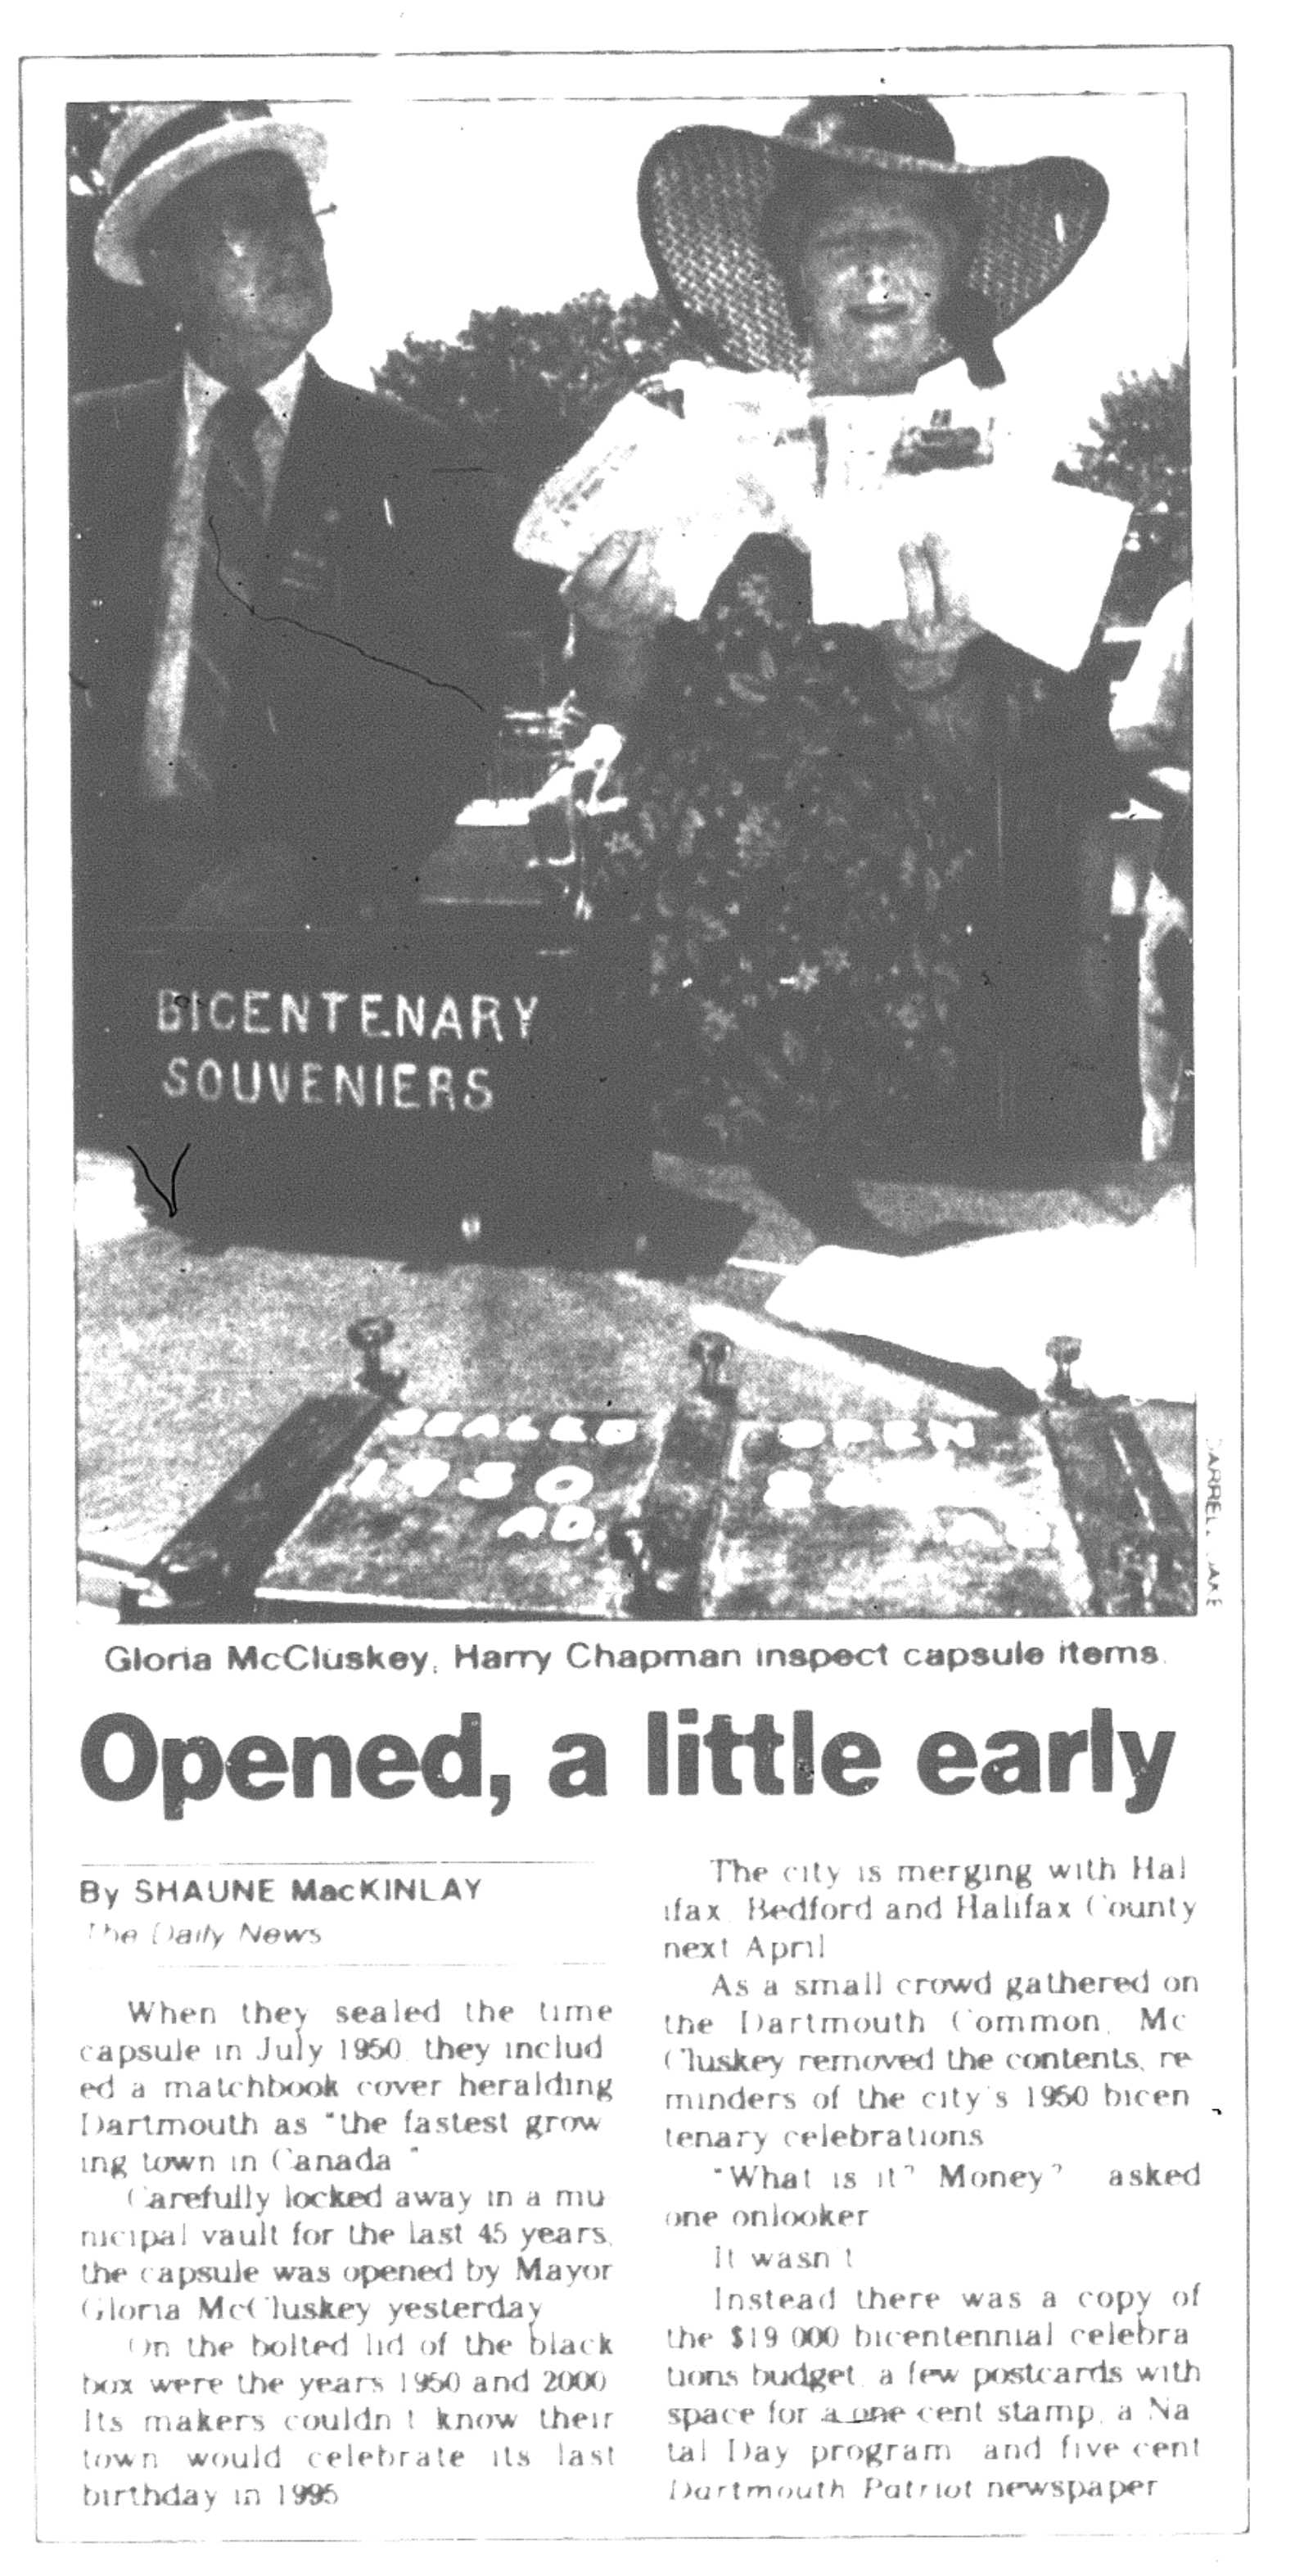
(1032, 558)
(644, 472)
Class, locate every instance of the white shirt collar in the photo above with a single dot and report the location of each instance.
(201, 391)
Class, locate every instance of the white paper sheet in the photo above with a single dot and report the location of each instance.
(1126, 1292)
(1031, 558)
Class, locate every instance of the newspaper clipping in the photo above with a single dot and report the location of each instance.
(639, 1881)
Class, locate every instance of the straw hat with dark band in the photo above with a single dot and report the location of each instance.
(703, 192)
(155, 149)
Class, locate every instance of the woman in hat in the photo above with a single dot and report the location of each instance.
(811, 809)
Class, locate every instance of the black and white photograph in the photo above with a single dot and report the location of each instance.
(632, 854)
(641, 1842)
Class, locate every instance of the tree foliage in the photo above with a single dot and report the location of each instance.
(520, 392)
(1140, 451)
(525, 389)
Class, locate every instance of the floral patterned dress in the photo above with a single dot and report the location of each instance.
(842, 933)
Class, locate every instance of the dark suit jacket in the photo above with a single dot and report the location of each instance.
(364, 711)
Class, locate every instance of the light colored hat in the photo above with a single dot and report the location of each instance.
(703, 192)
(155, 149)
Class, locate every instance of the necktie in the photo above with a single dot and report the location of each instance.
(232, 540)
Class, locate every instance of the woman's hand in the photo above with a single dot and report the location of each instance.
(925, 651)
(925, 647)
(619, 590)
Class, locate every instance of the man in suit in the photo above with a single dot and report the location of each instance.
(284, 590)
